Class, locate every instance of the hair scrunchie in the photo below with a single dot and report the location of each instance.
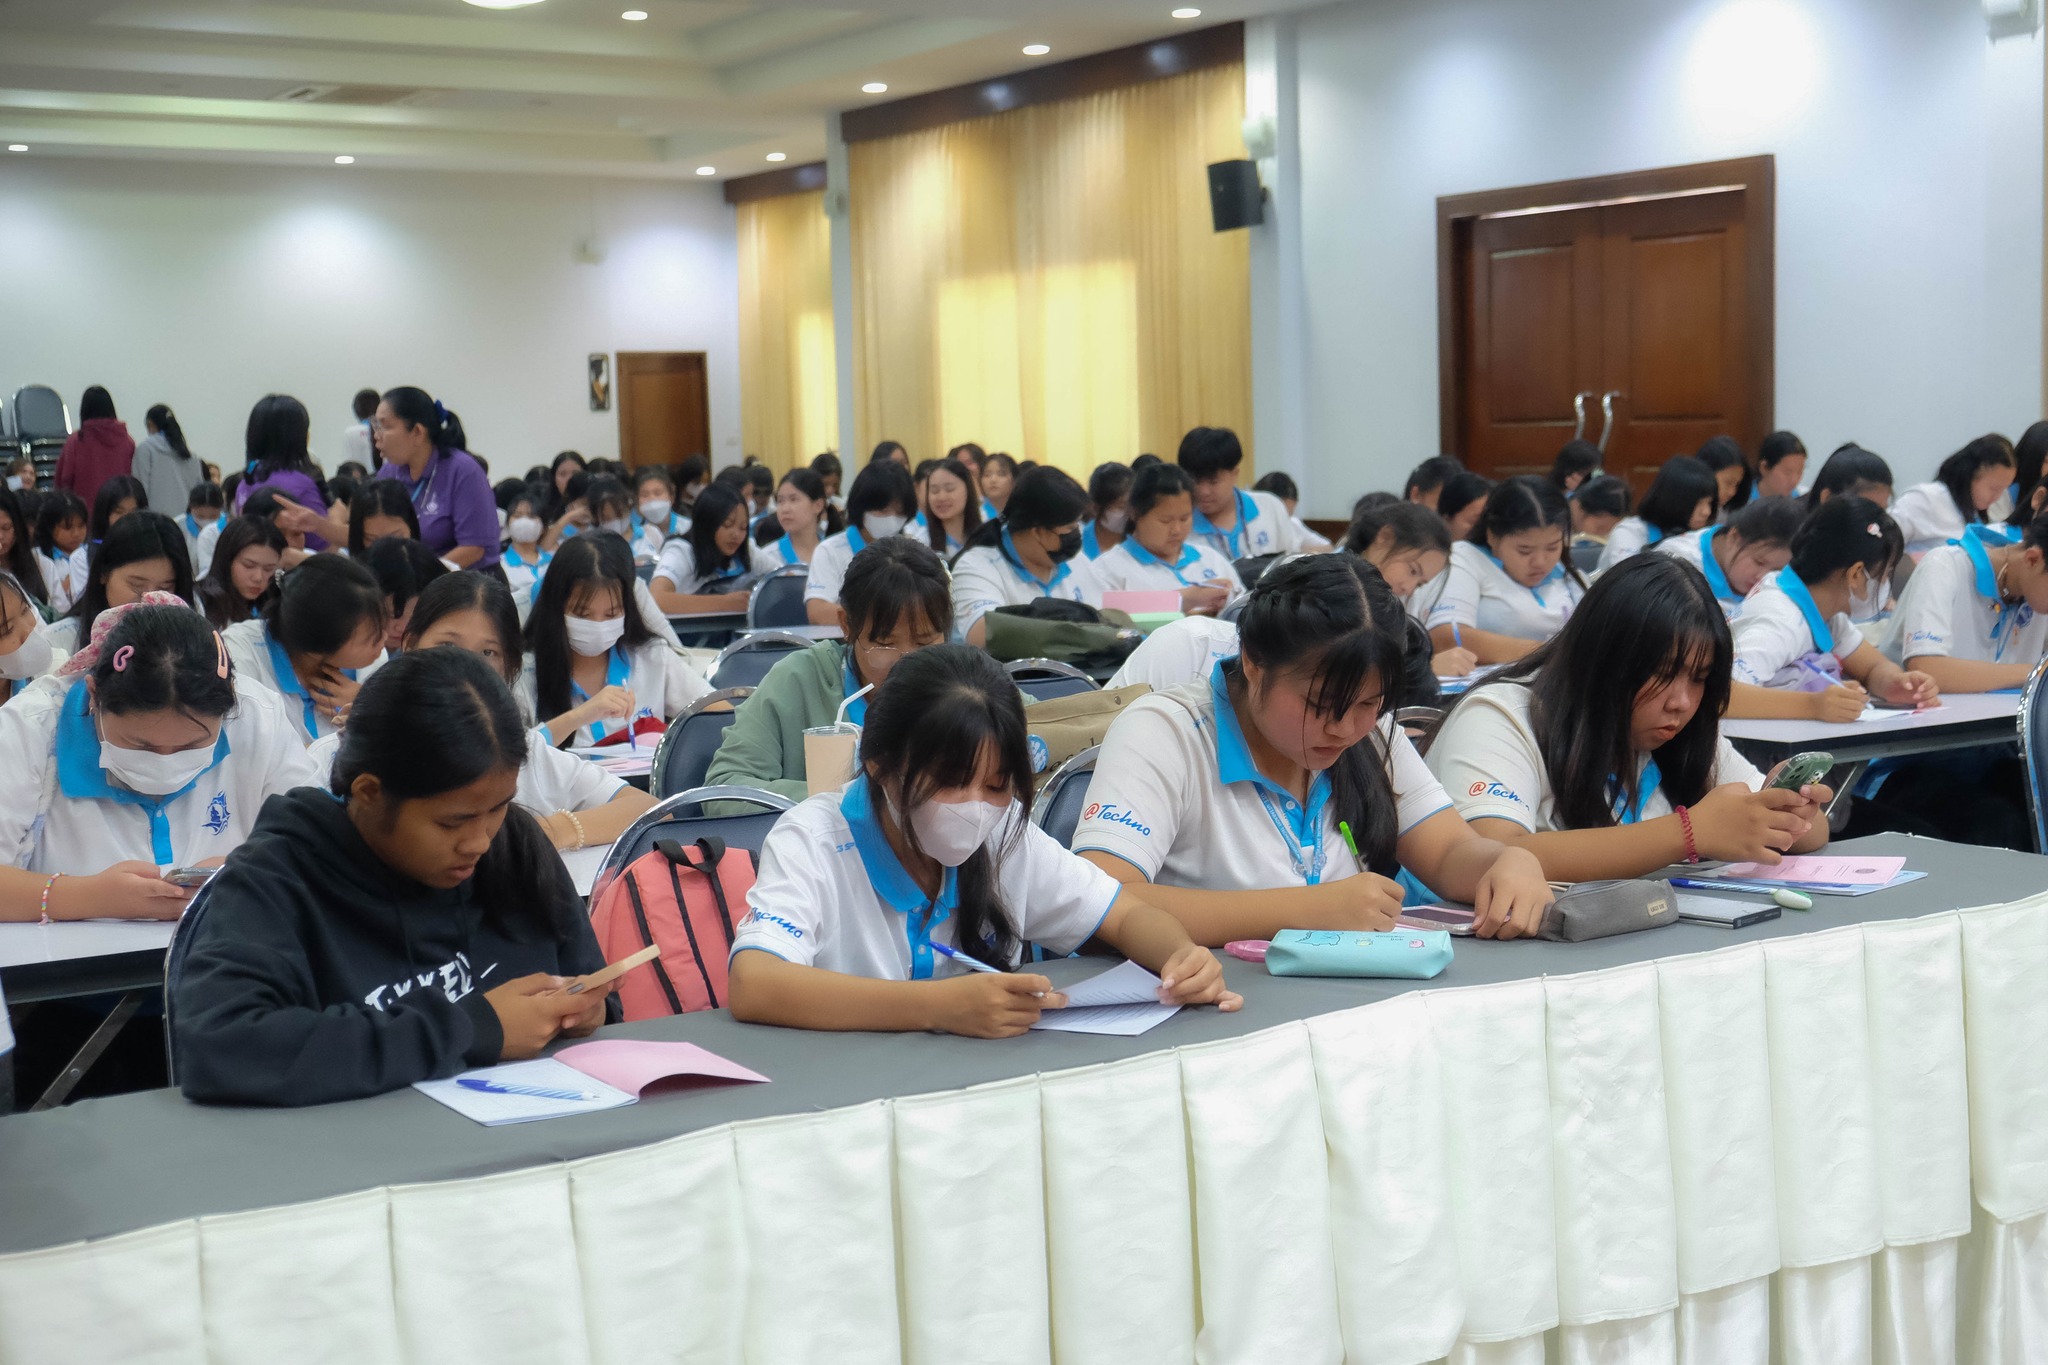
(103, 625)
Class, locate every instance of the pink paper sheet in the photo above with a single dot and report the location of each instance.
(1835, 871)
(633, 1064)
(1139, 601)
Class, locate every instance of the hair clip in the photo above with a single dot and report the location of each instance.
(220, 646)
(122, 656)
(1872, 528)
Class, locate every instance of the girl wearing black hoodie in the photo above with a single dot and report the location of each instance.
(410, 924)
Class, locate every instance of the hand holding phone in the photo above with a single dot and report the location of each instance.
(1802, 770)
(606, 975)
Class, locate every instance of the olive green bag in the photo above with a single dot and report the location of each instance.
(1065, 726)
(1097, 647)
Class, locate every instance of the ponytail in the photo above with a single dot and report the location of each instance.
(1847, 530)
(166, 422)
(416, 407)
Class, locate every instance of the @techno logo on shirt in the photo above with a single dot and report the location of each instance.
(779, 922)
(1115, 815)
(1494, 789)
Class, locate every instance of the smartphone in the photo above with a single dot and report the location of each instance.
(190, 877)
(606, 975)
(1802, 770)
(1453, 921)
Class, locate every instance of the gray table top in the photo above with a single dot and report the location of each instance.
(106, 1166)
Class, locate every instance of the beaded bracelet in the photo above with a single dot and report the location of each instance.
(583, 839)
(45, 905)
(1692, 850)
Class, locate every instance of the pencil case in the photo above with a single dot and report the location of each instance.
(1405, 954)
(1605, 908)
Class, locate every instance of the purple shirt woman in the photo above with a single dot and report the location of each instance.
(275, 445)
(421, 443)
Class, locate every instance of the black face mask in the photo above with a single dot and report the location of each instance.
(1069, 546)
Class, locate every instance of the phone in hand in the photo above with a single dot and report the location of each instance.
(1445, 917)
(1802, 770)
(191, 878)
(604, 976)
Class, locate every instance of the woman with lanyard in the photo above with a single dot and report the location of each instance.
(1159, 556)
(951, 516)
(1974, 616)
(881, 503)
(320, 636)
(143, 753)
(422, 446)
(910, 899)
(804, 516)
(1233, 523)
(1634, 684)
(1025, 556)
(1796, 639)
(1277, 793)
(1685, 496)
(1752, 545)
(1509, 587)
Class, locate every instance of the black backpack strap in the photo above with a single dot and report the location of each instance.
(668, 987)
(711, 851)
(676, 856)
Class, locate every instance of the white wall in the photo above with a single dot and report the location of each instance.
(1909, 234)
(208, 286)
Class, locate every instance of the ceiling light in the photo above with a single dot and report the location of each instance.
(778, 156)
(344, 161)
(17, 146)
(707, 170)
(634, 16)
(874, 88)
(1036, 50)
(503, 4)
(1184, 12)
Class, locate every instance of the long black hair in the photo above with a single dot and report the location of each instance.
(275, 439)
(1851, 469)
(1675, 494)
(223, 605)
(416, 407)
(471, 591)
(926, 732)
(58, 506)
(1603, 496)
(595, 559)
(177, 663)
(323, 604)
(403, 568)
(95, 403)
(2028, 454)
(165, 421)
(1847, 530)
(806, 482)
(971, 520)
(1335, 624)
(1768, 521)
(135, 538)
(891, 580)
(1414, 527)
(379, 498)
(714, 507)
(1725, 452)
(1645, 622)
(1460, 491)
(20, 559)
(436, 720)
(1959, 470)
(1108, 485)
(115, 491)
(1042, 499)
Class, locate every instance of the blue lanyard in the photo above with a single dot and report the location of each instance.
(615, 674)
(1306, 851)
(2012, 616)
(1234, 539)
(1646, 787)
(1188, 555)
(1044, 586)
(426, 481)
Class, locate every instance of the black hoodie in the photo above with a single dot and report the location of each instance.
(316, 973)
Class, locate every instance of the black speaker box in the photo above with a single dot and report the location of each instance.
(1236, 199)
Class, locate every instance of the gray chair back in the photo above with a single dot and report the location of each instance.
(39, 415)
(746, 661)
(1586, 555)
(2033, 721)
(684, 818)
(1058, 808)
(777, 598)
(691, 741)
(1048, 679)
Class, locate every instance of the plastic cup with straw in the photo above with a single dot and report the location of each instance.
(830, 750)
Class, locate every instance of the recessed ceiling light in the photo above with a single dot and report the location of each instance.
(344, 161)
(1184, 12)
(634, 16)
(1036, 49)
(503, 4)
(874, 88)
(17, 146)
(707, 170)
(778, 156)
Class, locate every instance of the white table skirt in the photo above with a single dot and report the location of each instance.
(1826, 1148)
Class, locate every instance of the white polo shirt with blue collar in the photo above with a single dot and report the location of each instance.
(1177, 796)
(1478, 594)
(259, 658)
(1782, 640)
(832, 894)
(991, 576)
(1697, 549)
(1130, 567)
(1263, 527)
(1952, 609)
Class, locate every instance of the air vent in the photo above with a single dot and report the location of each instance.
(351, 94)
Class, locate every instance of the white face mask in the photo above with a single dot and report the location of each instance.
(31, 660)
(591, 638)
(619, 526)
(1117, 520)
(1868, 603)
(154, 774)
(525, 530)
(655, 511)
(952, 831)
(879, 527)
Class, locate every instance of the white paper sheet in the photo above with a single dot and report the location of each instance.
(1123, 1000)
(492, 1110)
(584, 864)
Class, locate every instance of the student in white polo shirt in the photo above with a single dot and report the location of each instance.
(1509, 587)
(872, 900)
(319, 638)
(1226, 802)
(145, 752)
(880, 504)
(1634, 684)
(1232, 522)
(1795, 639)
(1158, 555)
(1027, 553)
(1968, 482)
(1974, 616)
(1684, 496)
(1754, 543)
(698, 570)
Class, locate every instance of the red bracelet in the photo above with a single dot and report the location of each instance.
(1692, 850)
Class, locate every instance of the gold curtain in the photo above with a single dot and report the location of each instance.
(789, 384)
(1047, 281)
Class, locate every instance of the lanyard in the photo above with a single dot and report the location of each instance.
(1646, 787)
(2012, 616)
(1188, 556)
(1233, 539)
(615, 675)
(1306, 850)
(426, 481)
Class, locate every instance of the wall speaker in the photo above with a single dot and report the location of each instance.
(1236, 199)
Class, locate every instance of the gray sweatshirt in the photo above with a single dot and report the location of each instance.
(167, 478)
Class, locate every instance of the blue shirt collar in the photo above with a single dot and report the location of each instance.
(79, 775)
(1816, 625)
(787, 549)
(542, 558)
(1980, 561)
(1711, 567)
(1090, 546)
(893, 884)
(854, 540)
(858, 712)
(1016, 563)
(1188, 555)
(281, 665)
(1556, 575)
(1300, 826)
(1233, 538)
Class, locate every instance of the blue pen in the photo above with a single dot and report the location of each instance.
(964, 960)
(1457, 636)
(538, 1092)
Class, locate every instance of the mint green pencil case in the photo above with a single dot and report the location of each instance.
(1404, 954)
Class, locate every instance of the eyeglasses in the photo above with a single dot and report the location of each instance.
(889, 654)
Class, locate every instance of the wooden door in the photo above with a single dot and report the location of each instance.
(1642, 301)
(664, 407)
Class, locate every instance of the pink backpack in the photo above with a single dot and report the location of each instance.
(687, 901)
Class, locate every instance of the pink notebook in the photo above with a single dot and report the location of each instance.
(1138, 603)
(633, 1064)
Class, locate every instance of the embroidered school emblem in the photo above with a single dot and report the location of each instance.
(217, 813)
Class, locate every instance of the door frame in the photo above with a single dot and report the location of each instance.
(1756, 176)
(621, 372)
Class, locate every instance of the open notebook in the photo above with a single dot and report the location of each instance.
(583, 1079)
(1123, 1000)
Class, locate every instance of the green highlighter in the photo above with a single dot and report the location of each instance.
(1344, 828)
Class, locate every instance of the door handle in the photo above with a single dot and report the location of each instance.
(1607, 416)
(1579, 414)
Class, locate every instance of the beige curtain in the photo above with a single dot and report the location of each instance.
(789, 406)
(1046, 281)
